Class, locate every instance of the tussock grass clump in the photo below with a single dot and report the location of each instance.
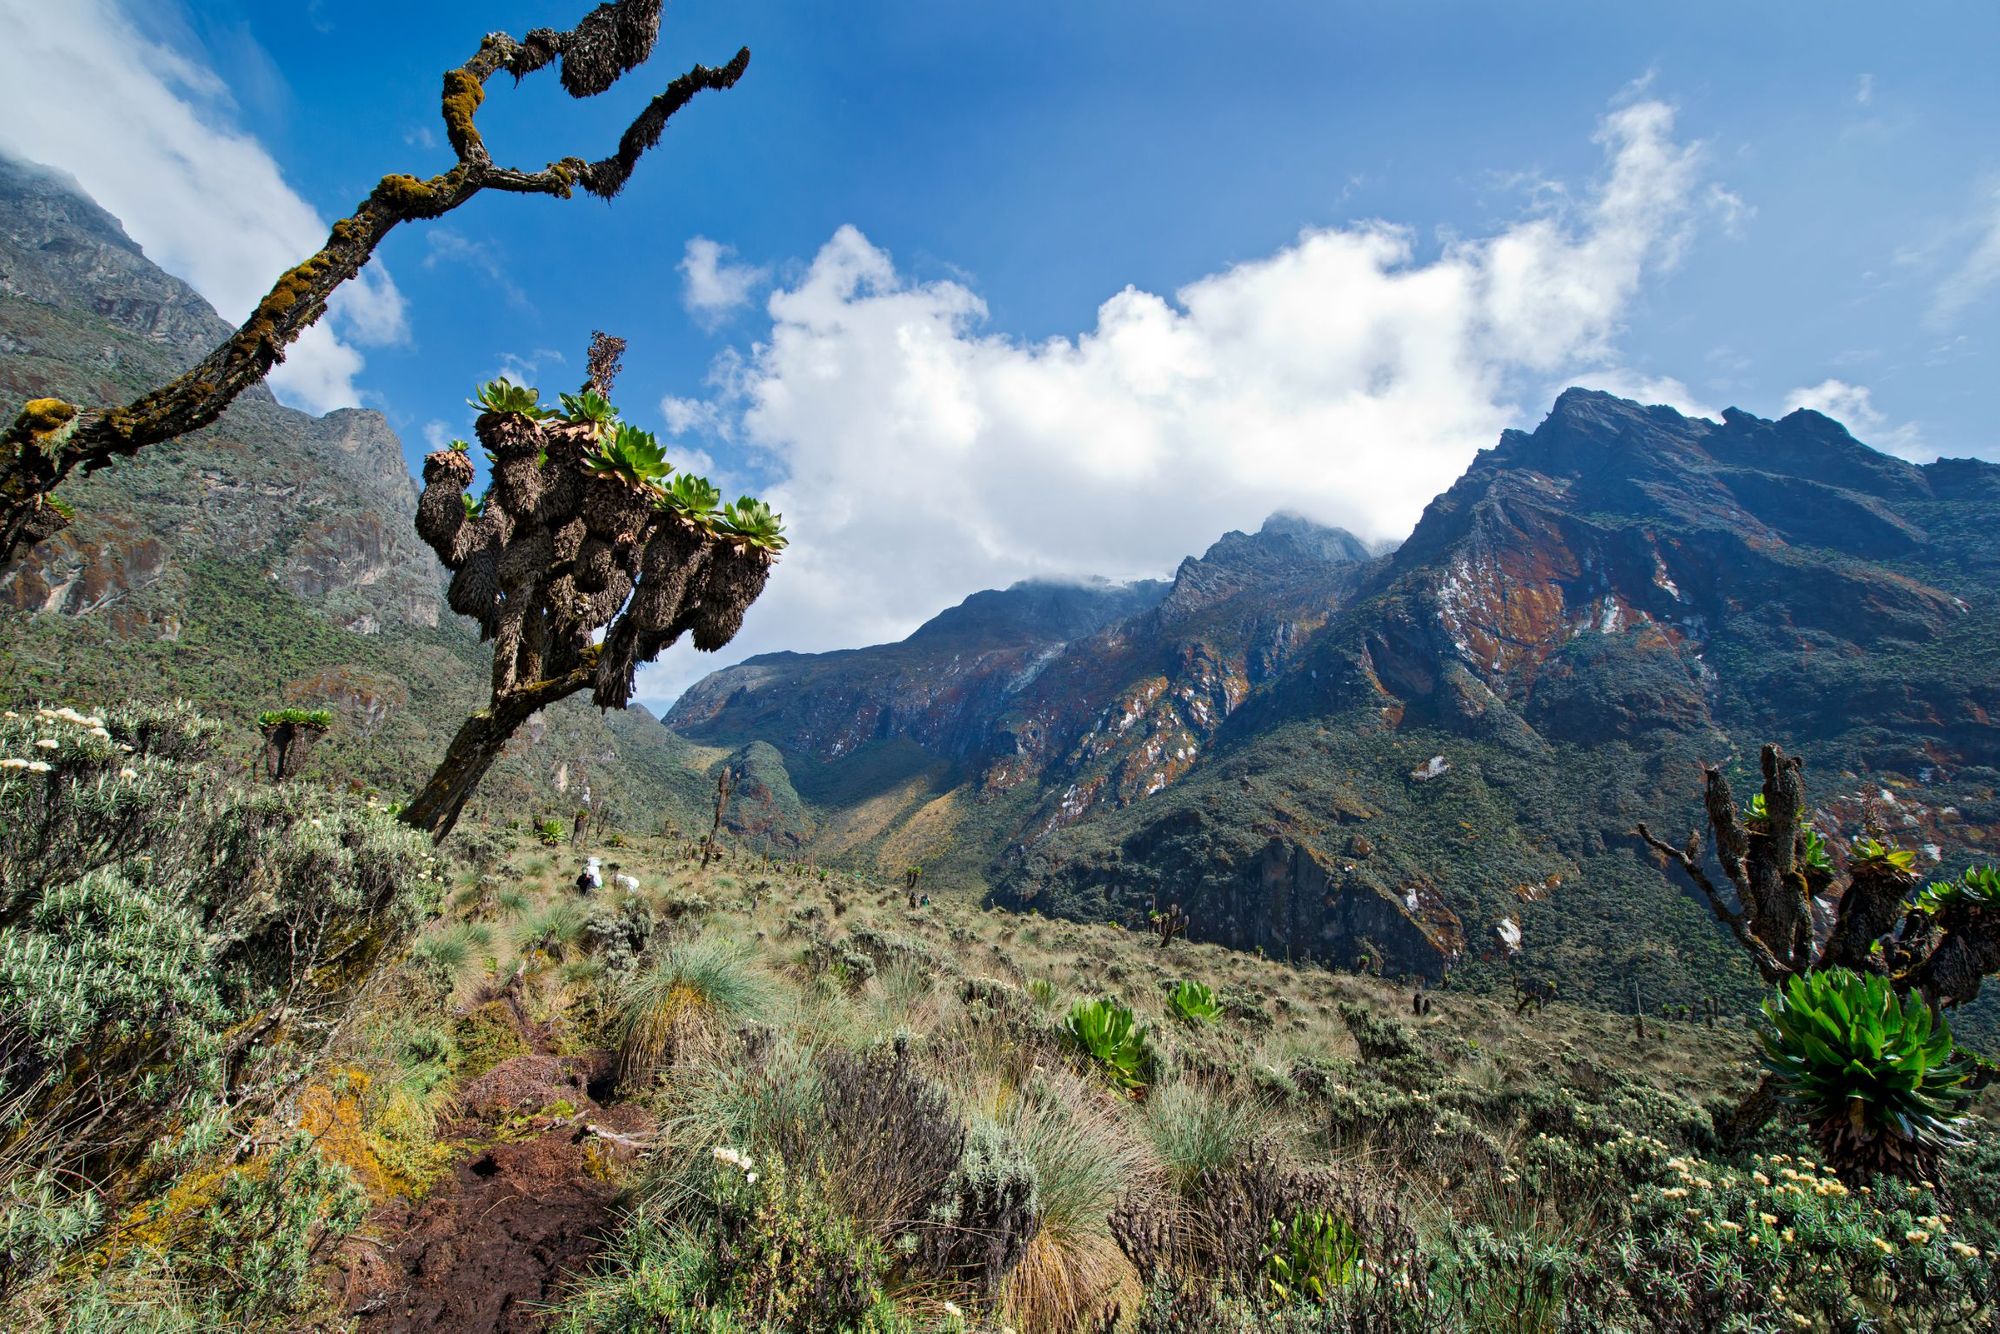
(1085, 1160)
(676, 1008)
(1196, 1125)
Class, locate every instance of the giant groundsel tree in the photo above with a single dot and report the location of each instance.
(1855, 1036)
(586, 557)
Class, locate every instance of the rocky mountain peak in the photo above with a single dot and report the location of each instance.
(1287, 549)
(59, 248)
(1037, 610)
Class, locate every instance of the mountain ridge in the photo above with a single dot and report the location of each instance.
(1595, 607)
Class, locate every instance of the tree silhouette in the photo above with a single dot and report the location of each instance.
(50, 439)
(584, 531)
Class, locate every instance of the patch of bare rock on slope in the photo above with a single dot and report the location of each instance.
(490, 1245)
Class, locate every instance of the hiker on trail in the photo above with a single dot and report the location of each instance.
(591, 877)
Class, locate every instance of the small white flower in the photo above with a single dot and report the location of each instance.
(749, 1178)
(100, 733)
(128, 774)
(11, 763)
(49, 743)
(39, 766)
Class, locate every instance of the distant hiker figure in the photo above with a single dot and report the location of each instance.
(590, 878)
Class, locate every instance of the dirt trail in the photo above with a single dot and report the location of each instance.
(489, 1245)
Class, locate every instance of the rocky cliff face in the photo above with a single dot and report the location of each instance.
(1433, 759)
(326, 501)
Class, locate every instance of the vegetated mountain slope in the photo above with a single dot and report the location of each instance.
(266, 560)
(1023, 711)
(1427, 760)
(1590, 612)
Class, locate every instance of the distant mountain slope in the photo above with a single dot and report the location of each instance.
(1028, 709)
(1421, 759)
(266, 560)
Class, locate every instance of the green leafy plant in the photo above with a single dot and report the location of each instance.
(1979, 887)
(504, 396)
(631, 455)
(1042, 992)
(315, 718)
(1814, 852)
(589, 408)
(550, 832)
(752, 520)
(1194, 1003)
(1867, 850)
(1309, 1256)
(1880, 1079)
(473, 508)
(1110, 1036)
(459, 447)
(693, 498)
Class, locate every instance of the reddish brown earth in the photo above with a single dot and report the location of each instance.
(489, 1246)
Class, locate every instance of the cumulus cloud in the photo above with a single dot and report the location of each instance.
(155, 142)
(921, 457)
(711, 285)
(1853, 406)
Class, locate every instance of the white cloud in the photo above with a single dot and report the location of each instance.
(1345, 377)
(154, 141)
(1853, 406)
(446, 245)
(712, 286)
(1975, 274)
(1864, 90)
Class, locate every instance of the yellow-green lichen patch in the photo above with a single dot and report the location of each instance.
(402, 193)
(46, 423)
(462, 95)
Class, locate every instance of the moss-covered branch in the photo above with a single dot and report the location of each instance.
(50, 439)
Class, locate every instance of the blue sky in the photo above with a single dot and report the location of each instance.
(982, 291)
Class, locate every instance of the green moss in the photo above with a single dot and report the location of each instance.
(485, 1038)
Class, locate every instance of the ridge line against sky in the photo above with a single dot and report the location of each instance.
(921, 450)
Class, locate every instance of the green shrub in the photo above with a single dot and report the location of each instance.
(1880, 1081)
(550, 832)
(158, 915)
(1192, 1002)
(1308, 1255)
(1108, 1034)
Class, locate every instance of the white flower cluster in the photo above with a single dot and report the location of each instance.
(58, 720)
(738, 1160)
